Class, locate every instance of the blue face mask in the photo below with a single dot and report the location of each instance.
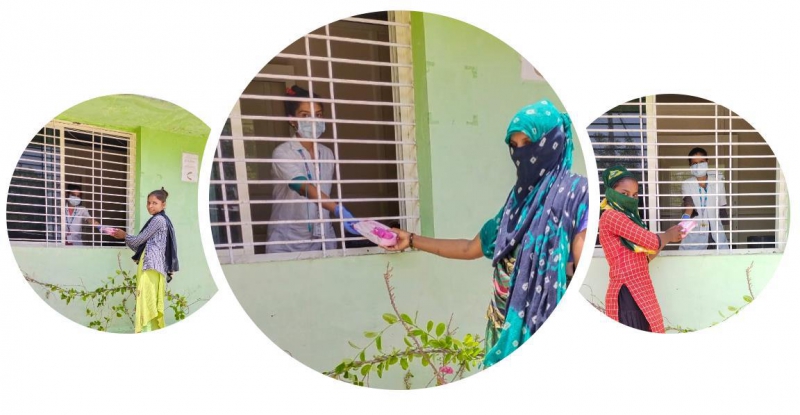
(306, 129)
(534, 160)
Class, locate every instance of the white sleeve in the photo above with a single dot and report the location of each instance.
(722, 199)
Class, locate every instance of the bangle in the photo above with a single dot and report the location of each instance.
(411, 241)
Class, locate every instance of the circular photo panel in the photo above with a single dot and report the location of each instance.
(694, 214)
(398, 200)
(102, 214)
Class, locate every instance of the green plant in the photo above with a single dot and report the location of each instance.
(101, 306)
(599, 305)
(433, 344)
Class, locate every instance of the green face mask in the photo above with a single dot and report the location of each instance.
(622, 203)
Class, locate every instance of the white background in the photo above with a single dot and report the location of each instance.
(595, 54)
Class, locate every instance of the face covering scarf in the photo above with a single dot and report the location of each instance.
(621, 203)
(537, 224)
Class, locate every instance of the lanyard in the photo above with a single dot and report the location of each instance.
(71, 217)
(703, 199)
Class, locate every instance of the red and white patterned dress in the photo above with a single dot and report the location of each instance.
(629, 268)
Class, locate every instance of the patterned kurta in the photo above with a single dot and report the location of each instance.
(155, 238)
(629, 268)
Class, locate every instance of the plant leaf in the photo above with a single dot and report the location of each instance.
(440, 329)
(406, 318)
(353, 345)
(430, 325)
(378, 343)
(748, 299)
(390, 318)
(408, 342)
(370, 334)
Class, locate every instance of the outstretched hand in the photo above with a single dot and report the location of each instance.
(119, 234)
(403, 241)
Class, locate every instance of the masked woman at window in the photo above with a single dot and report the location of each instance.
(628, 247)
(303, 162)
(157, 257)
(77, 215)
(704, 200)
(540, 228)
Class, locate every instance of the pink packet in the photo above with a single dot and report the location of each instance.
(687, 225)
(109, 231)
(376, 232)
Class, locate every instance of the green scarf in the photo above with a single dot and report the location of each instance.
(621, 203)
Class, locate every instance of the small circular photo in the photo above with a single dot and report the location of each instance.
(102, 214)
(694, 214)
(398, 200)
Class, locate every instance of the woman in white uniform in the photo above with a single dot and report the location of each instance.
(704, 200)
(76, 216)
(303, 173)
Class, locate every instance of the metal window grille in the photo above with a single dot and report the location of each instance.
(652, 137)
(63, 154)
(361, 69)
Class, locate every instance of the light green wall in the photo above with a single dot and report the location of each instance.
(692, 290)
(158, 163)
(311, 308)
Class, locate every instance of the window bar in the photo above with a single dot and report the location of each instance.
(652, 160)
(730, 175)
(242, 192)
(335, 133)
(224, 193)
(315, 149)
(61, 181)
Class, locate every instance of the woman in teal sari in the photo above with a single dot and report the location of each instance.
(540, 228)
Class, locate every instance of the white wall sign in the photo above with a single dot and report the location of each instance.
(190, 168)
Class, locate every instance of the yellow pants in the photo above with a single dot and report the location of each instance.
(150, 288)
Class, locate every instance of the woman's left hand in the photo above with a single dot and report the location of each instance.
(119, 234)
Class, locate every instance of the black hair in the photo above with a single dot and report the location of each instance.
(697, 151)
(74, 188)
(160, 194)
(298, 92)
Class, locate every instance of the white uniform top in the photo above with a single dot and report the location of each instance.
(707, 202)
(305, 167)
(75, 223)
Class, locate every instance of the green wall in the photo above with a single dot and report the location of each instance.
(470, 91)
(693, 290)
(158, 163)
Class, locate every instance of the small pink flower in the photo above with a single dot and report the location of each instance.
(447, 370)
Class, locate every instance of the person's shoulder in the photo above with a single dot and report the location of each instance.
(284, 149)
(325, 151)
(610, 214)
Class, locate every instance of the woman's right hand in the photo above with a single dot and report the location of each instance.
(403, 240)
(675, 234)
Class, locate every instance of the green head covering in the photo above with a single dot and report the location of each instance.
(619, 202)
(538, 119)
(614, 174)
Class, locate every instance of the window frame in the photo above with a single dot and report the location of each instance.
(130, 190)
(403, 120)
